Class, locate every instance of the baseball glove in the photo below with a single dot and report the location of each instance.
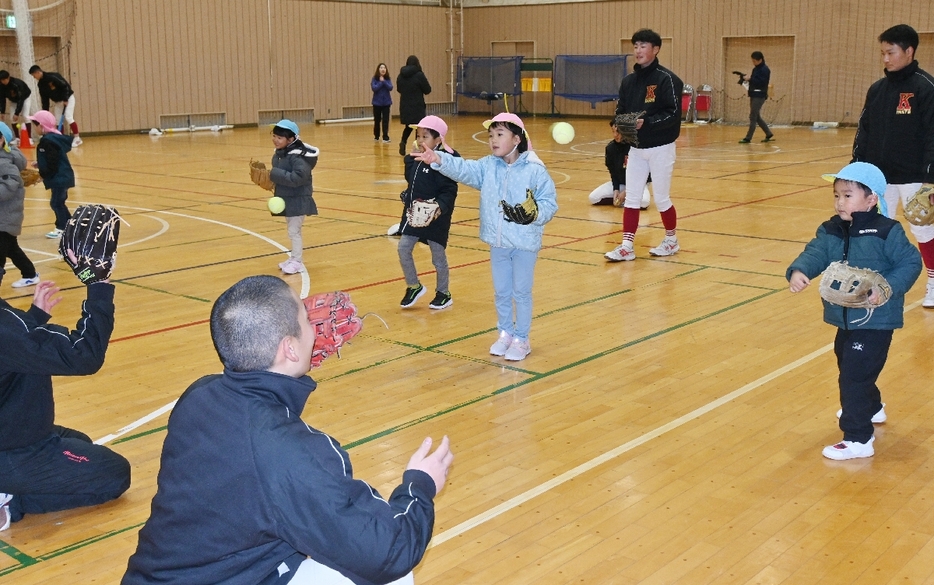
(30, 176)
(848, 286)
(918, 208)
(521, 213)
(259, 174)
(334, 319)
(626, 126)
(91, 236)
(421, 212)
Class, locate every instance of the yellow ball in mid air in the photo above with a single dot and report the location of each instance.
(562, 132)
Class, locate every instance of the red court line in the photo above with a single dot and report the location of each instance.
(203, 321)
(680, 217)
(155, 331)
(401, 278)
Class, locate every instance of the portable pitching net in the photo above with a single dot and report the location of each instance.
(589, 78)
(488, 78)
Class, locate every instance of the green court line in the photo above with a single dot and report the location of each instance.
(26, 560)
(141, 434)
(435, 349)
(537, 377)
(744, 285)
(17, 555)
(159, 290)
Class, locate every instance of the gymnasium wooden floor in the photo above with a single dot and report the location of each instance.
(666, 428)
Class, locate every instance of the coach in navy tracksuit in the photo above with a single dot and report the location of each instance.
(45, 467)
(247, 490)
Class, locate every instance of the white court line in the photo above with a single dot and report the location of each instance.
(137, 423)
(306, 281)
(52, 257)
(306, 286)
(612, 454)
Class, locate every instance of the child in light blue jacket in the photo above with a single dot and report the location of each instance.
(517, 199)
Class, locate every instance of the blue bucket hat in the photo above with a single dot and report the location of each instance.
(287, 125)
(7, 133)
(861, 172)
(864, 173)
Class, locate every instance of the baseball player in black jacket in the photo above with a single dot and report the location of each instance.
(17, 92)
(656, 92)
(54, 88)
(896, 132)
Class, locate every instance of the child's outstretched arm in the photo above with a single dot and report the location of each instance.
(427, 156)
(798, 281)
(468, 172)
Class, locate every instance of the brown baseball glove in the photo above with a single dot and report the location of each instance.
(334, 319)
(626, 126)
(848, 286)
(918, 209)
(30, 176)
(422, 212)
(259, 174)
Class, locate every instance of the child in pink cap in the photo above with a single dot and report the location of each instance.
(517, 199)
(427, 184)
(54, 168)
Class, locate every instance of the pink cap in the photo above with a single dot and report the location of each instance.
(512, 119)
(437, 124)
(45, 119)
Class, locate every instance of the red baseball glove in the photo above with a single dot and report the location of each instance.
(335, 321)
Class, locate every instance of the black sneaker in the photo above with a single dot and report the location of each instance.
(412, 294)
(441, 301)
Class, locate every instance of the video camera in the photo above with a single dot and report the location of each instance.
(742, 77)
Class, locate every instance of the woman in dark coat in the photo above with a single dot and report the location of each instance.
(412, 86)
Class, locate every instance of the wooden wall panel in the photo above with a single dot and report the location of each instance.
(137, 59)
(132, 60)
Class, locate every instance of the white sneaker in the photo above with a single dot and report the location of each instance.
(77, 142)
(518, 349)
(56, 233)
(5, 511)
(668, 247)
(502, 344)
(877, 419)
(283, 264)
(849, 450)
(14, 142)
(646, 198)
(293, 266)
(928, 301)
(623, 252)
(24, 282)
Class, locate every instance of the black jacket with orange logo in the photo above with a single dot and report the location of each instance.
(896, 126)
(657, 91)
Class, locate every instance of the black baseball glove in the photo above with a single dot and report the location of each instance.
(91, 236)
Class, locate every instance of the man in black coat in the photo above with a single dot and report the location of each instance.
(758, 93)
(412, 86)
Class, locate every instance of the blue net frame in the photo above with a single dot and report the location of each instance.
(589, 78)
(489, 78)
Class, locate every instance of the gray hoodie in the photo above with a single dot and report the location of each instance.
(12, 191)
